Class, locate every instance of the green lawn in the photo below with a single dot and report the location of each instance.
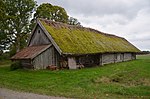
(143, 56)
(122, 80)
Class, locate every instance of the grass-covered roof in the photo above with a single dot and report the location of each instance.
(81, 40)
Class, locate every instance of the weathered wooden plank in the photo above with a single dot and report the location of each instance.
(32, 32)
(127, 56)
(108, 58)
(38, 37)
(119, 57)
(72, 63)
(50, 37)
(42, 60)
(46, 58)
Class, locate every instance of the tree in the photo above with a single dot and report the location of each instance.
(73, 21)
(2, 20)
(54, 13)
(16, 21)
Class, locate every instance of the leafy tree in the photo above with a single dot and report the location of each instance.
(73, 21)
(54, 13)
(2, 20)
(15, 21)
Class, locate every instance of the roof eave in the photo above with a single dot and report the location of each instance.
(20, 58)
(80, 54)
(33, 56)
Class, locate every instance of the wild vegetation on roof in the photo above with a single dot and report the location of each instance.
(81, 40)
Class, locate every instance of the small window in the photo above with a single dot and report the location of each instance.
(39, 31)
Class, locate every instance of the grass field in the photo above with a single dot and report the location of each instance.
(121, 80)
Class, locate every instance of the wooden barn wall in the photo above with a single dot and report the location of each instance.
(88, 60)
(108, 58)
(55, 57)
(116, 57)
(46, 58)
(26, 63)
(119, 57)
(39, 37)
(133, 56)
(99, 59)
(127, 56)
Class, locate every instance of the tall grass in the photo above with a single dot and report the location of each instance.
(121, 80)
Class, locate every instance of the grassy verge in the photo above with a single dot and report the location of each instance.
(122, 80)
(5, 63)
(147, 56)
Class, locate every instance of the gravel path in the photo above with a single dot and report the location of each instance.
(9, 94)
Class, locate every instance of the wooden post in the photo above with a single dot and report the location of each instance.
(100, 60)
(72, 63)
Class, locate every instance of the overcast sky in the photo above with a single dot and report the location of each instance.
(126, 18)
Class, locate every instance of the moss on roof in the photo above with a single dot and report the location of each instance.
(80, 40)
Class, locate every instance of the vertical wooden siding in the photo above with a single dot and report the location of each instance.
(39, 37)
(46, 58)
(127, 56)
(26, 63)
(100, 59)
(119, 57)
(108, 58)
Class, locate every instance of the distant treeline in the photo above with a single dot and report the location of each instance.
(144, 52)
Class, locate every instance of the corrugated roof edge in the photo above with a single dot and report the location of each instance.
(33, 56)
(48, 46)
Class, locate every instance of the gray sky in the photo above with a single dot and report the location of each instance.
(126, 18)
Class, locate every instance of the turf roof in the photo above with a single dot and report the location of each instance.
(81, 40)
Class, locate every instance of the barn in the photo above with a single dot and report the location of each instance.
(62, 45)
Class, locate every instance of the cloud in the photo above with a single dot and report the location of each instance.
(127, 18)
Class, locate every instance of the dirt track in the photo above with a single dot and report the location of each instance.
(9, 94)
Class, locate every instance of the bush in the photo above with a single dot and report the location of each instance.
(15, 65)
(4, 56)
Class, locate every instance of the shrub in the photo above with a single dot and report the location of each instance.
(4, 56)
(15, 65)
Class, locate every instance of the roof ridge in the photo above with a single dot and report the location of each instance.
(77, 39)
(64, 25)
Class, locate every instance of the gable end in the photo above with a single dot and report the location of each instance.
(50, 37)
(38, 37)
